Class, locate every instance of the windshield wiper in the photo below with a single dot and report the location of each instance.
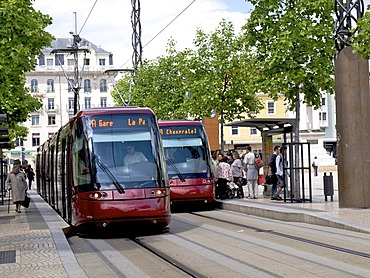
(109, 174)
(171, 163)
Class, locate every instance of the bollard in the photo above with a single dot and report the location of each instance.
(328, 186)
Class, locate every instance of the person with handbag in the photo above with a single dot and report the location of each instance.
(16, 183)
(224, 175)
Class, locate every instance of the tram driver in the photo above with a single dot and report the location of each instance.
(133, 156)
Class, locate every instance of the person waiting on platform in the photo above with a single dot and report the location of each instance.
(133, 156)
(315, 165)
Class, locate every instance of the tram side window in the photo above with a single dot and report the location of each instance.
(82, 175)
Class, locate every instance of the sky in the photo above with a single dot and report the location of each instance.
(107, 23)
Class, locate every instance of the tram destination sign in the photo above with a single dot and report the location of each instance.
(181, 131)
(120, 120)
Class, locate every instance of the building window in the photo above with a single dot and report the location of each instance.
(42, 60)
(50, 85)
(35, 139)
(323, 101)
(70, 62)
(71, 84)
(51, 120)
(234, 130)
(103, 85)
(49, 62)
(71, 103)
(59, 59)
(50, 134)
(322, 116)
(87, 86)
(34, 86)
(87, 62)
(87, 102)
(51, 105)
(35, 120)
(270, 107)
(103, 102)
(101, 62)
(70, 116)
(253, 131)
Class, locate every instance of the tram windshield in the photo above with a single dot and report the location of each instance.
(187, 157)
(123, 156)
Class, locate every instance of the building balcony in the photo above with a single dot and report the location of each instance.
(54, 108)
(71, 68)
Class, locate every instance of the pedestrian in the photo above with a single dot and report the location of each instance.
(279, 173)
(251, 173)
(272, 166)
(224, 175)
(315, 165)
(230, 158)
(16, 183)
(30, 175)
(237, 171)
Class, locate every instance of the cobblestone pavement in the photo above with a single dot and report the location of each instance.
(27, 248)
(32, 243)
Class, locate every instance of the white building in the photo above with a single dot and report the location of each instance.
(318, 128)
(53, 81)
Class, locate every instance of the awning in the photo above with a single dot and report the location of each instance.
(271, 126)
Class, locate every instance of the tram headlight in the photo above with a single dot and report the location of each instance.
(97, 195)
(158, 192)
(206, 181)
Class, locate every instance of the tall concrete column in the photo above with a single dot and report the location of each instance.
(353, 127)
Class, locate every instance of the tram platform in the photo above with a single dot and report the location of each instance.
(33, 244)
(319, 211)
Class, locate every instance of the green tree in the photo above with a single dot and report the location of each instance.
(22, 36)
(197, 83)
(362, 37)
(293, 49)
(159, 84)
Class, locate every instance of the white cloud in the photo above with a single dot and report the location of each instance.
(109, 24)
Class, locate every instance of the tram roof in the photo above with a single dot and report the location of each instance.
(178, 123)
(270, 125)
(115, 110)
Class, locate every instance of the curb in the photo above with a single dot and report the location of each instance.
(291, 215)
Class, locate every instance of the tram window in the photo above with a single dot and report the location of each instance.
(81, 164)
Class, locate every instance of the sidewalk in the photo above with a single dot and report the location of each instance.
(32, 243)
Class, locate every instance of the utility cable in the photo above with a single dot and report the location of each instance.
(88, 17)
(163, 28)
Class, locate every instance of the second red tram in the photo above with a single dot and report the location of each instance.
(189, 161)
(106, 165)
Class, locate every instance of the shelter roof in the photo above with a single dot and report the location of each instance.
(271, 126)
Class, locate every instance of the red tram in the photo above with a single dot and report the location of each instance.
(189, 161)
(106, 166)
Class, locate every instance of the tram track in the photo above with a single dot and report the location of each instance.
(288, 236)
(176, 263)
(219, 244)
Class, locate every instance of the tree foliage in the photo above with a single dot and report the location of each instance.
(292, 47)
(362, 37)
(196, 83)
(22, 36)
